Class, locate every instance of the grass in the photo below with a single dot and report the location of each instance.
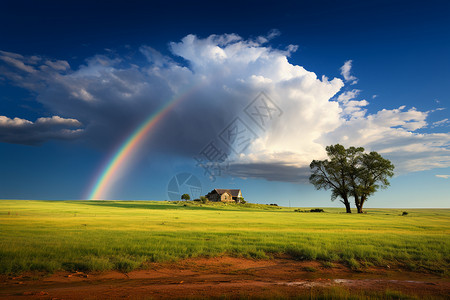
(125, 235)
(335, 293)
(345, 293)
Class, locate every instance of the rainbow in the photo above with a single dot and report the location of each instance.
(116, 164)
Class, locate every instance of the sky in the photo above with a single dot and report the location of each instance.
(146, 100)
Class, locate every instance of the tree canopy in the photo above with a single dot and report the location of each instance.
(351, 173)
(185, 197)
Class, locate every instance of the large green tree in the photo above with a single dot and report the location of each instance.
(351, 173)
(332, 174)
(373, 172)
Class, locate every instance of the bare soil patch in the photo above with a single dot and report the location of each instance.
(221, 277)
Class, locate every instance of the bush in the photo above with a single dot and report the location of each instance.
(405, 213)
(203, 199)
(197, 200)
(317, 210)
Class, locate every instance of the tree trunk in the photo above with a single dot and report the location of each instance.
(357, 203)
(347, 205)
(360, 206)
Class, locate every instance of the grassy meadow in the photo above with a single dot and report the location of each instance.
(127, 235)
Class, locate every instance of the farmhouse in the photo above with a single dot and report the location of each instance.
(224, 195)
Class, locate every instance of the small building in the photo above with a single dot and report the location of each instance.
(225, 195)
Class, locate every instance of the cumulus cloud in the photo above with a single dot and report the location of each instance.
(21, 131)
(345, 72)
(216, 78)
(352, 108)
(391, 132)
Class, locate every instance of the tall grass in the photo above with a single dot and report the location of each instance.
(125, 235)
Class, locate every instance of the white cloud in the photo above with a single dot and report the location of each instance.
(271, 35)
(345, 71)
(220, 76)
(21, 131)
(16, 122)
(443, 122)
(31, 72)
(18, 64)
(348, 95)
(391, 132)
(443, 176)
(56, 120)
(59, 65)
(352, 108)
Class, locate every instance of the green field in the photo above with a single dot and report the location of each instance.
(126, 235)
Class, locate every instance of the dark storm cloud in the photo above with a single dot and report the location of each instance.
(271, 171)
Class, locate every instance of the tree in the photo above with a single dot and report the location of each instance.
(332, 174)
(351, 172)
(185, 197)
(373, 173)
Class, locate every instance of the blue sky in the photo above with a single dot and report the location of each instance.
(77, 78)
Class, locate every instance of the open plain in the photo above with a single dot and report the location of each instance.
(152, 249)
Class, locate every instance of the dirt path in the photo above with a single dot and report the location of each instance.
(218, 277)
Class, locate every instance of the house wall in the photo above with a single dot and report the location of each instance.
(214, 197)
(237, 199)
(226, 198)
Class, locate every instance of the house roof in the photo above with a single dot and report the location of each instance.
(233, 193)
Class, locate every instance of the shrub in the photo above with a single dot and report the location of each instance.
(203, 199)
(317, 210)
(405, 213)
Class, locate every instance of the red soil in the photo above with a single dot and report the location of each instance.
(218, 277)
